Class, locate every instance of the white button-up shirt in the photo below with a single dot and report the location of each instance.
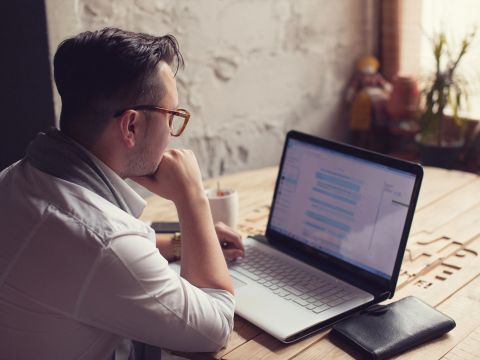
(78, 274)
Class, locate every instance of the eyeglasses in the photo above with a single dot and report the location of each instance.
(177, 121)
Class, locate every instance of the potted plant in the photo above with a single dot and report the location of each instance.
(441, 137)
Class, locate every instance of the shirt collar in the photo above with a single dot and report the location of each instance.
(135, 203)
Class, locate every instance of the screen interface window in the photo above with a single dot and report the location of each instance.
(347, 207)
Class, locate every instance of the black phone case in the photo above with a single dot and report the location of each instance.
(165, 227)
(384, 331)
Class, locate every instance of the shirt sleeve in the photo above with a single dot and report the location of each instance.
(132, 292)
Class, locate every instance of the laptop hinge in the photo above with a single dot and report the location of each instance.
(383, 296)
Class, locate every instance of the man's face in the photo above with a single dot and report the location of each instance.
(149, 153)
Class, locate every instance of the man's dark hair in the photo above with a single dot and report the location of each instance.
(98, 73)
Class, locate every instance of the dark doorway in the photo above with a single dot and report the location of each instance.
(25, 84)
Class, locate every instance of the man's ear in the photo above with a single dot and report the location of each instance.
(128, 125)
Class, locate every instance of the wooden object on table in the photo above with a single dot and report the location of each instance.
(441, 265)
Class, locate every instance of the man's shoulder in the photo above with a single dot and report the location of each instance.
(32, 193)
(92, 211)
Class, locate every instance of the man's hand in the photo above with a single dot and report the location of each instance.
(177, 178)
(230, 240)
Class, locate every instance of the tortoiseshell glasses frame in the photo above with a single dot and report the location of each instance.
(181, 113)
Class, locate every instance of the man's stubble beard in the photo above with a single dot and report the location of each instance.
(143, 162)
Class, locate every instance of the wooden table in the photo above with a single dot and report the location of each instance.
(441, 265)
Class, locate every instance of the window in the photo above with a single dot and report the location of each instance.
(422, 19)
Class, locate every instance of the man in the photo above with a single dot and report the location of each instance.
(78, 271)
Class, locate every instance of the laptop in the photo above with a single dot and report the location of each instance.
(335, 238)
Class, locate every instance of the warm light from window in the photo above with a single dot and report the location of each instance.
(456, 19)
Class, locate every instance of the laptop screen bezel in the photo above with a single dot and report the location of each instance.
(341, 266)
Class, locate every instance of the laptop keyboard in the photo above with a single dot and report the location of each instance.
(314, 293)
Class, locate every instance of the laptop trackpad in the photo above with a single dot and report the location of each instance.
(236, 282)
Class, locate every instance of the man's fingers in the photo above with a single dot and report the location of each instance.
(233, 239)
(227, 234)
(232, 248)
(232, 254)
(230, 232)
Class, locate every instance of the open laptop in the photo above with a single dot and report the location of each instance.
(335, 239)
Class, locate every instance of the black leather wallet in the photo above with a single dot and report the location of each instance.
(383, 331)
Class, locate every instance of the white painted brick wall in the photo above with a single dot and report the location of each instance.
(254, 68)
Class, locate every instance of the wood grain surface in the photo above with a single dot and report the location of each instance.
(441, 265)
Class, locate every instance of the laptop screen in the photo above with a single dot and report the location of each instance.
(348, 207)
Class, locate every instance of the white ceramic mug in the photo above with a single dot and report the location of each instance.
(224, 205)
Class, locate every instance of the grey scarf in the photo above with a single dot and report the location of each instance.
(56, 154)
